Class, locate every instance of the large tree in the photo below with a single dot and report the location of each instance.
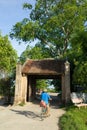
(52, 22)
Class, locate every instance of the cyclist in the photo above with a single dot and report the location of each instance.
(46, 97)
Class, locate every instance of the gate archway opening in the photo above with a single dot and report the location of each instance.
(35, 91)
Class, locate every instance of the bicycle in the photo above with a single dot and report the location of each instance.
(43, 112)
(43, 109)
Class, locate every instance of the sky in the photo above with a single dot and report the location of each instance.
(11, 12)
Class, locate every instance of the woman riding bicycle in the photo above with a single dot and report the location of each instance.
(46, 97)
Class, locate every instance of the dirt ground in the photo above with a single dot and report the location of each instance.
(28, 117)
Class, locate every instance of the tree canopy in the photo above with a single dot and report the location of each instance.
(8, 56)
(8, 60)
(80, 57)
(52, 22)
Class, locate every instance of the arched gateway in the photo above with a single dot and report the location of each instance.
(32, 70)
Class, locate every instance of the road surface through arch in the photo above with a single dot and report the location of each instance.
(28, 117)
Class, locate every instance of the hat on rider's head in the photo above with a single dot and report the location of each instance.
(45, 90)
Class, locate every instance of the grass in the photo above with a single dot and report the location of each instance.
(74, 119)
(21, 104)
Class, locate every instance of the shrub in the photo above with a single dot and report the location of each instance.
(74, 119)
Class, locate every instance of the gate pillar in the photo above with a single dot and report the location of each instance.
(24, 88)
(67, 82)
(20, 86)
(18, 90)
(63, 88)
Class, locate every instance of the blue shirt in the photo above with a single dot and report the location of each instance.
(45, 97)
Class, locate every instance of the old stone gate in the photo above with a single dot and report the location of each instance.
(32, 70)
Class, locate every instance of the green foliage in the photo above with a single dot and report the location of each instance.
(36, 52)
(8, 59)
(8, 55)
(51, 90)
(80, 73)
(7, 88)
(59, 26)
(79, 42)
(74, 119)
(57, 84)
(41, 84)
(21, 104)
(52, 23)
(25, 5)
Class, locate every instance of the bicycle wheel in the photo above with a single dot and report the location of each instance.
(43, 112)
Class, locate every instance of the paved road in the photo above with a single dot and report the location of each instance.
(28, 117)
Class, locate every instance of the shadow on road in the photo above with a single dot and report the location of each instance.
(28, 114)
